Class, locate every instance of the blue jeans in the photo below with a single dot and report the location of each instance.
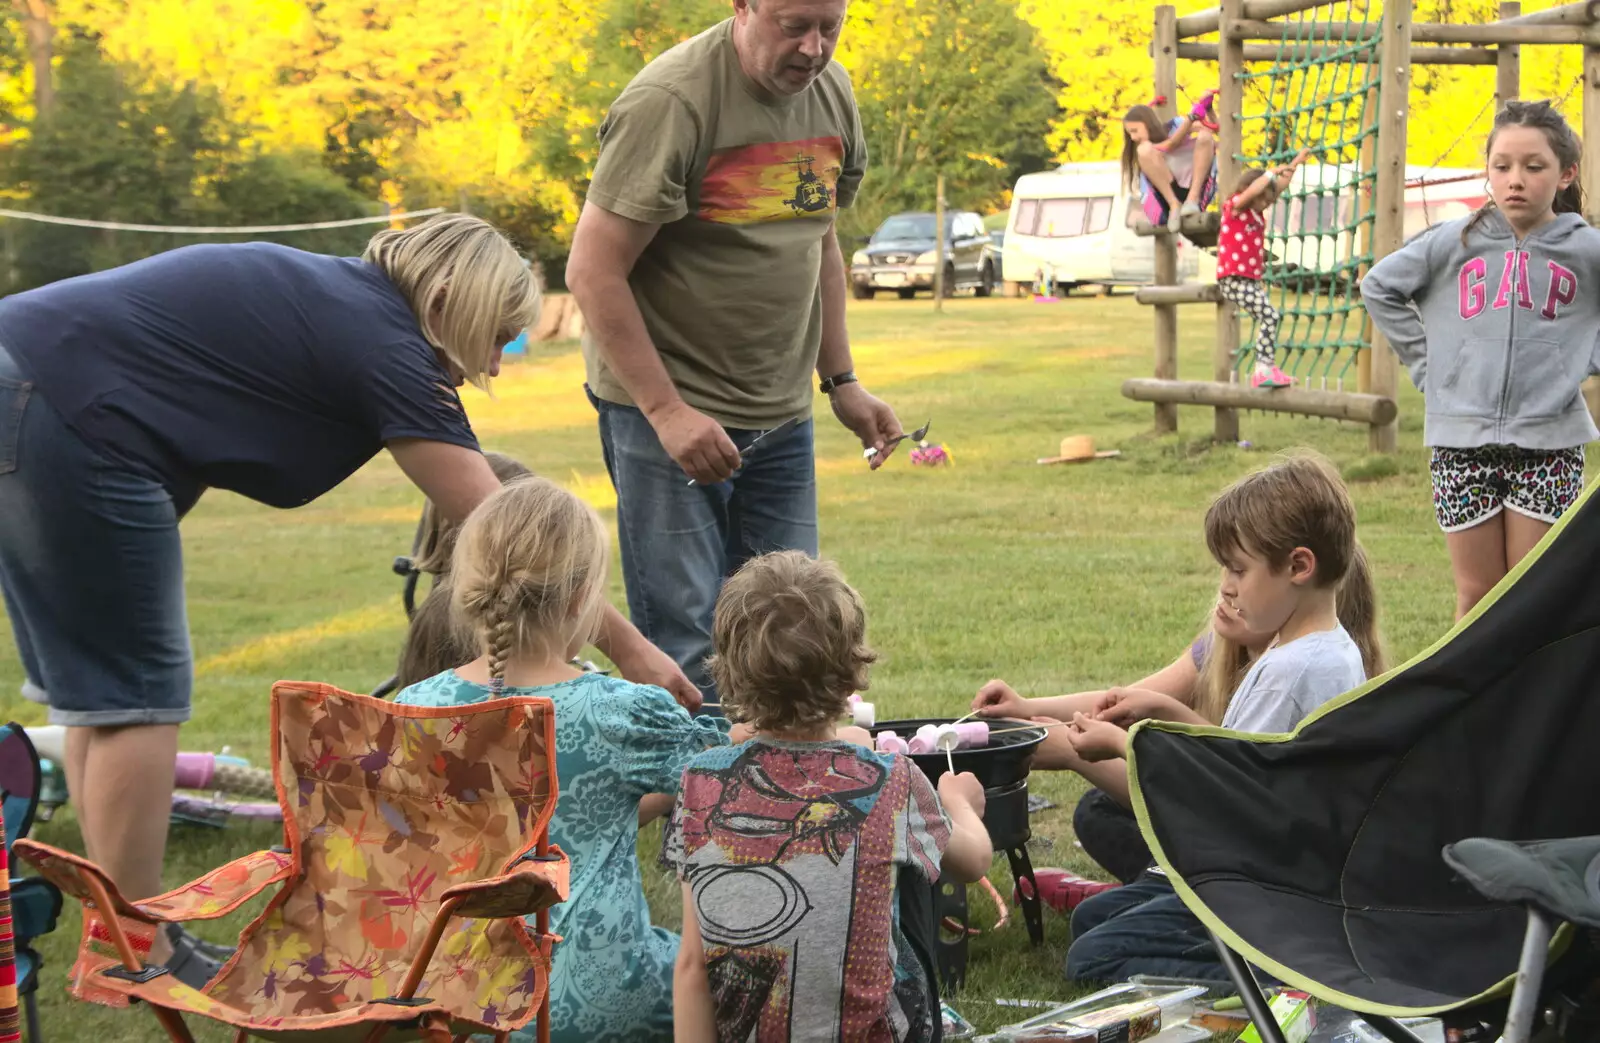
(680, 541)
(1140, 928)
(91, 570)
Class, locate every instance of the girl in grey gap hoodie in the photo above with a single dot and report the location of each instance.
(1499, 330)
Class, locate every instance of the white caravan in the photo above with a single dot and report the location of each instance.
(1319, 222)
(1071, 227)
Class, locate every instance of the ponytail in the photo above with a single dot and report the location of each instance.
(1570, 199)
(499, 640)
(1358, 613)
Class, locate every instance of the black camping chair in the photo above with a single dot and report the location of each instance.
(1316, 856)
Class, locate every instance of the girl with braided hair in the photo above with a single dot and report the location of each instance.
(528, 583)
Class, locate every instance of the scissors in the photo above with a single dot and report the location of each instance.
(755, 446)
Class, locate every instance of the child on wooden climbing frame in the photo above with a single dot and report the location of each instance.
(1241, 261)
(1169, 160)
(1495, 315)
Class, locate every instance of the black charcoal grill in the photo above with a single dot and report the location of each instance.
(1002, 767)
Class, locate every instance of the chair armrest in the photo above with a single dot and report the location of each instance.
(1562, 877)
(216, 894)
(532, 884)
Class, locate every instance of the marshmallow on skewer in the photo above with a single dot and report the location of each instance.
(973, 734)
(946, 738)
(922, 742)
(889, 742)
(863, 714)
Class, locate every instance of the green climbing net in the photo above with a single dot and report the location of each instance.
(1315, 96)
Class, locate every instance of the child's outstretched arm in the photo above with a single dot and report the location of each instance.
(997, 699)
(694, 1015)
(1056, 753)
(1124, 706)
(1388, 291)
(970, 853)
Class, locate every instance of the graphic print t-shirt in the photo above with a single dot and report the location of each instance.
(743, 186)
(791, 852)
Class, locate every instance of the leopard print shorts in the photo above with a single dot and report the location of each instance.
(1470, 486)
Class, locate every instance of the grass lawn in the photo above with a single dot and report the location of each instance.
(1055, 578)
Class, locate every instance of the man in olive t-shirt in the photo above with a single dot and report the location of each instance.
(710, 278)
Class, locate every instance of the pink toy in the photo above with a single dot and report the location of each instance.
(931, 455)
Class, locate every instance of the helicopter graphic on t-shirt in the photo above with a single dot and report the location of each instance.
(811, 194)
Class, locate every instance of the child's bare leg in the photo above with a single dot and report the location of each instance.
(653, 806)
(1522, 535)
(1154, 164)
(1205, 149)
(1477, 560)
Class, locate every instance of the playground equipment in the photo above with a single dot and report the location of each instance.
(1336, 79)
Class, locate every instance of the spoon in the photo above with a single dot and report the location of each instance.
(916, 436)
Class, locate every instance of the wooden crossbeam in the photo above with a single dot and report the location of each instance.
(1338, 405)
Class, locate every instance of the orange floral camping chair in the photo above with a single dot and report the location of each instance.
(416, 839)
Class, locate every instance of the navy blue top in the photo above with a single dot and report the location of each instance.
(265, 370)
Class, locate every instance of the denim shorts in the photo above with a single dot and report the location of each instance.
(92, 572)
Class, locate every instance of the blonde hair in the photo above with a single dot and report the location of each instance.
(466, 284)
(1358, 613)
(436, 534)
(1225, 661)
(791, 643)
(528, 575)
(434, 641)
(1299, 501)
(1221, 671)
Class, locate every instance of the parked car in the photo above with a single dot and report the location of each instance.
(902, 256)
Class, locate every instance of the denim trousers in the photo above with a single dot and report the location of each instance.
(1140, 928)
(680, 541)
(91, 570)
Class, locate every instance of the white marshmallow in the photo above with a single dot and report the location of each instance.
(946, 737)
(864, 715)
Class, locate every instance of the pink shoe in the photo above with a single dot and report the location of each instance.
(1063, 891)
(1270, 378)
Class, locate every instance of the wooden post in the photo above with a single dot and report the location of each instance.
(1230, 145)
(1508, 61)
(1589, 175)
(939, 244)
(1367, 162)
(1164, 50)
(1394, 70)
(1589, 169)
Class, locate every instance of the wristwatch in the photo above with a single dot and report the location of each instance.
(831, 384)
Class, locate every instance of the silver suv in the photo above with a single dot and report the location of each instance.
(901, 256)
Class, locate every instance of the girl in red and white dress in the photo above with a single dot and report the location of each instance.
(1241, 262)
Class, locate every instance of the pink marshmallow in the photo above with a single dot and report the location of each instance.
(889, 742)
(973, 733)
(919, 744)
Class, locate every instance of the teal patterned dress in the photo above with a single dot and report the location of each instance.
(615, 742)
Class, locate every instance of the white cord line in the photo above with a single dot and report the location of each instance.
(116, 226)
